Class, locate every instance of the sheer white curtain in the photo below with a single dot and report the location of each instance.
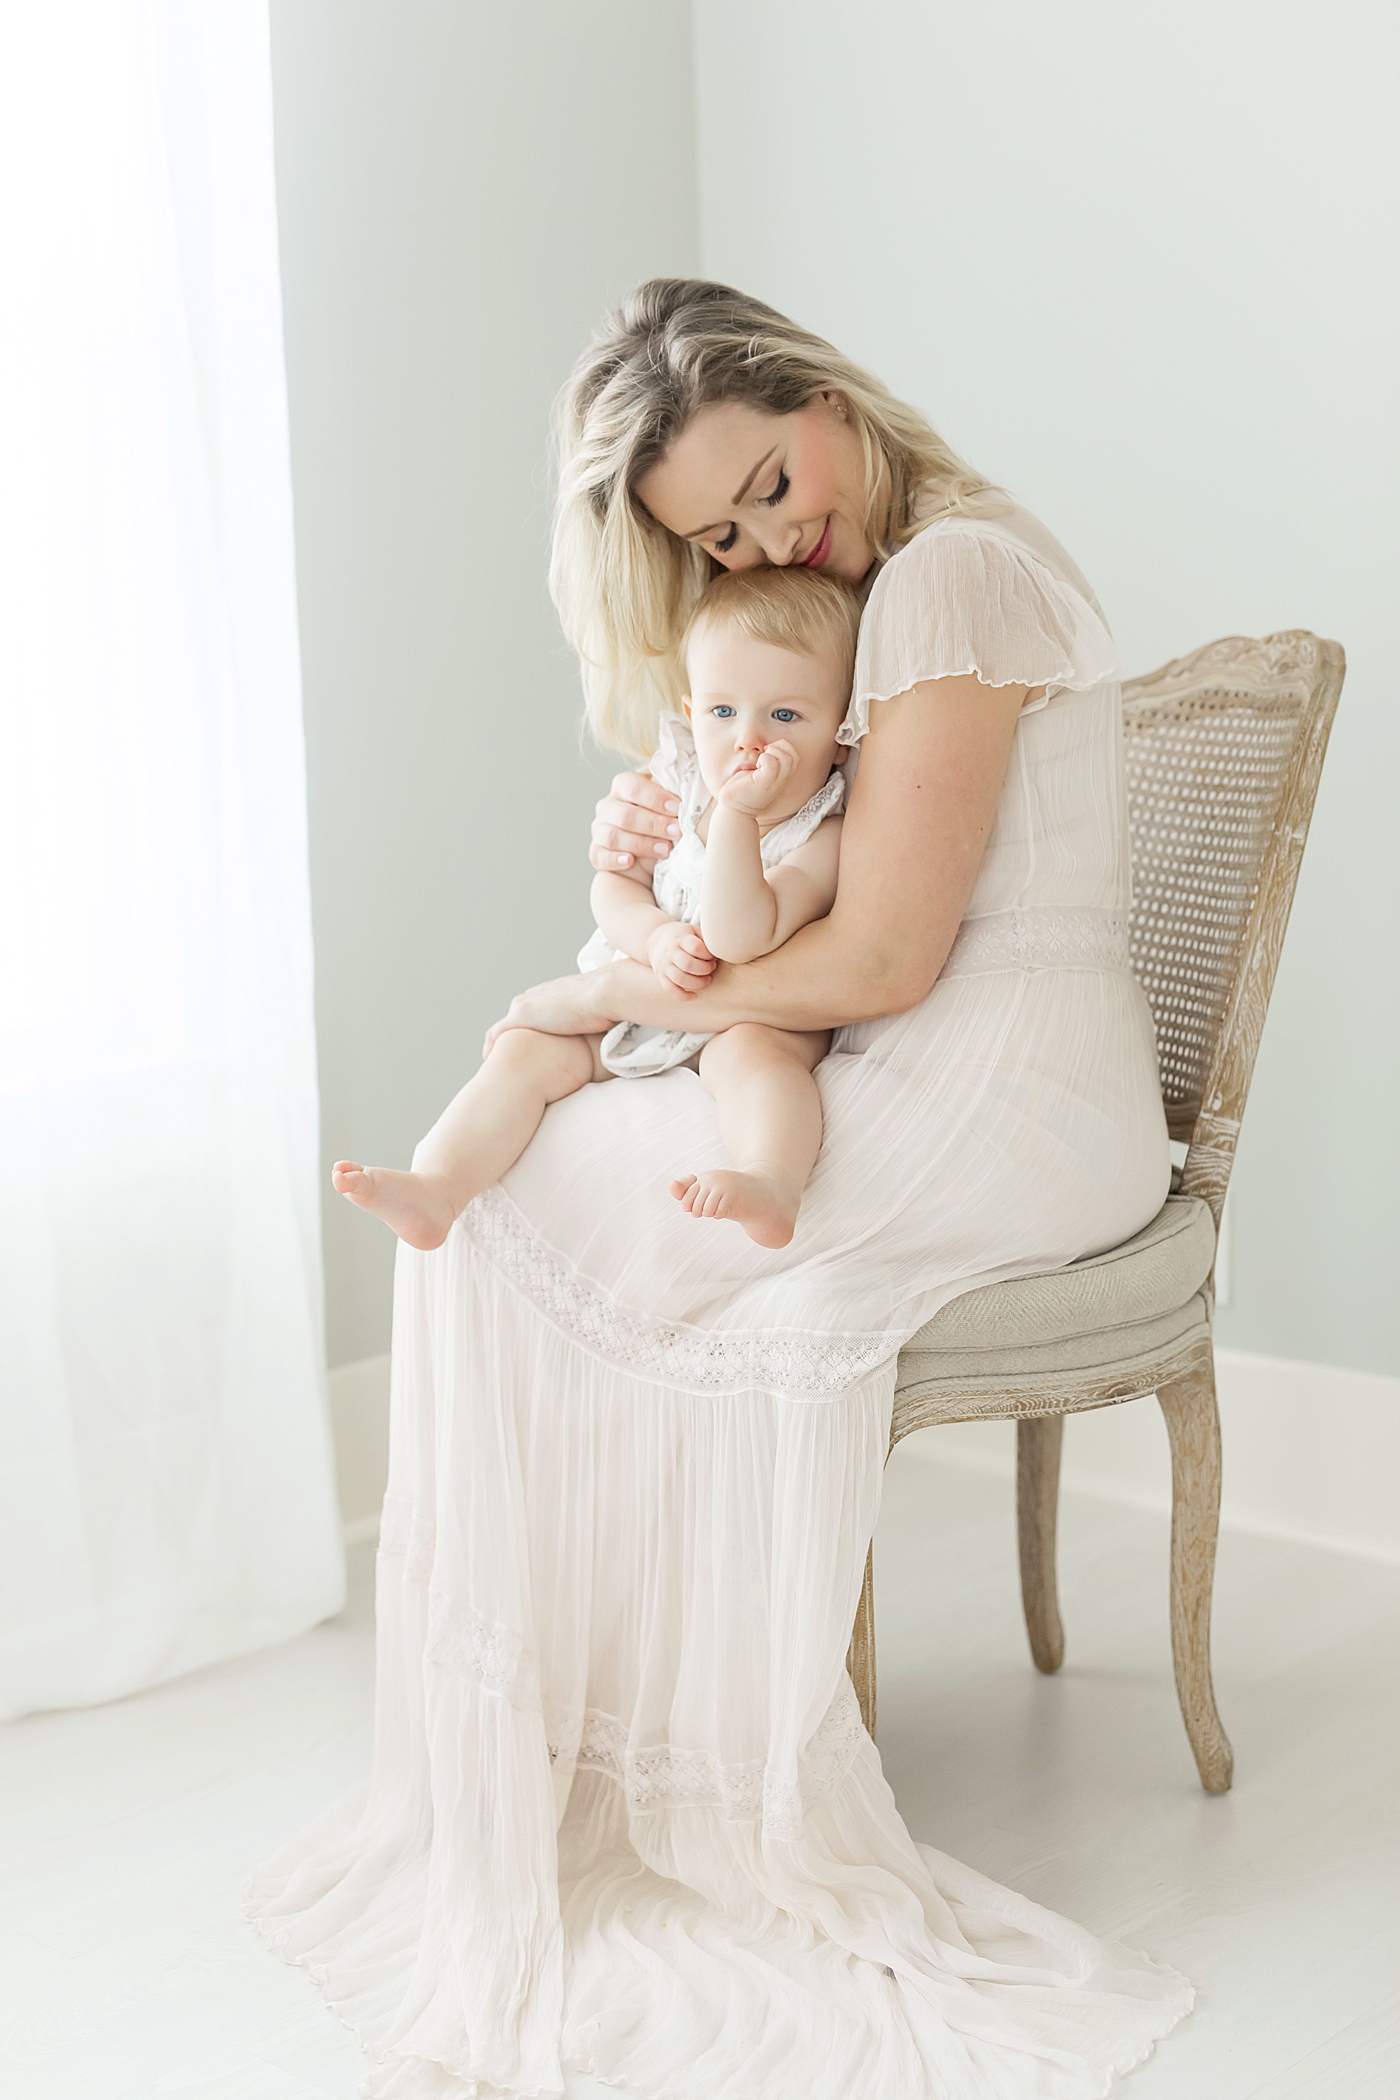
(166, 1489)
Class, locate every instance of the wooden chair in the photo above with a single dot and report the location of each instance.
(1224, 749)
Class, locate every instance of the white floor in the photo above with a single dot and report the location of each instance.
(126, 1974)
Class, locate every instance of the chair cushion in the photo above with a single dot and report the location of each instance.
(1128, 1303)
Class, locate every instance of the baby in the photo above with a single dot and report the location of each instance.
(755, 764)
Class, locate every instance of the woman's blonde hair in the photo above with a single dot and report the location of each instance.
(788, 608)
(623, 584)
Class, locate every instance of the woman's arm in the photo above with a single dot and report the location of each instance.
(921, 811)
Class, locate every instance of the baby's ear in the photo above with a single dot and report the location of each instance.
(685, 705)
(840, 754)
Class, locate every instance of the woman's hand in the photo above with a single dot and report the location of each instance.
(564, 1006)
(634, 826)
(680, 958)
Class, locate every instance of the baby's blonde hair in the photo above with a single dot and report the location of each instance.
(793, 609)
(624, 586)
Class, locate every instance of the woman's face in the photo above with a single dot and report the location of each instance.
(754, 489)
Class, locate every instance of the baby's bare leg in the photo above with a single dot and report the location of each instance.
(770, 1118)
(479, 1134)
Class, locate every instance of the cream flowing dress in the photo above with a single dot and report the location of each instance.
(624, 1819)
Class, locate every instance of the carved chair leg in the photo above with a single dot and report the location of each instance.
(1037, 1498)
(860, 1657)
(1193, 1427)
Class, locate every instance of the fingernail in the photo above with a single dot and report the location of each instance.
(673, 831)
(661, 852)
(673, 809)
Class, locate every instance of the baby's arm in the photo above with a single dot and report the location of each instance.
(634, 922)
(747, 911)
(627, 913)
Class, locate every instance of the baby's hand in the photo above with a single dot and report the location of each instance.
(680, 958)
(753, 793)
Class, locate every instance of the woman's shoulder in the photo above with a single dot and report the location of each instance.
(952, 541)
(989, 596)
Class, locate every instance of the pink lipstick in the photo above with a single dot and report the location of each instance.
(820, 552)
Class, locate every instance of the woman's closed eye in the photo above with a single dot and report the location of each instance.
(780, 489)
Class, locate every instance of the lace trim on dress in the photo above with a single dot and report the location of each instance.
(460, 1638)
(489, 1653)
(666, 1776)
(481, 1650)
(403, 1533)
(1041, 937)
(797, 1363)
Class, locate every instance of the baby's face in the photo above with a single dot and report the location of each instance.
(746, 695)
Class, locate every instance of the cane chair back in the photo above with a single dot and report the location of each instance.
(1223, 751)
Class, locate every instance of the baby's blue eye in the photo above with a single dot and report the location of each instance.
(722, 713)
(785, 714)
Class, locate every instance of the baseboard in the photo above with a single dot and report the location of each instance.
(1311, 1453)
(359, 1395)
(361, 1531)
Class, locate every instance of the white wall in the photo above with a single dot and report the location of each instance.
(1311, 1453)
(463, 189)
(1140, 264)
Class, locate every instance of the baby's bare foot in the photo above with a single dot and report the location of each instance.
(416, 1206)
(767, 1214)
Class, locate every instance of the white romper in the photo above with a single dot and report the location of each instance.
(630, 1050)
(624, 1819)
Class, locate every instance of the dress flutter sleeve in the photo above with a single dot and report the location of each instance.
(965, 600)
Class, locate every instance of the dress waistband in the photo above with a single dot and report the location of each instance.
(1040, 937)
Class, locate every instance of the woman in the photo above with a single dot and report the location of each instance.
(623, 1815)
